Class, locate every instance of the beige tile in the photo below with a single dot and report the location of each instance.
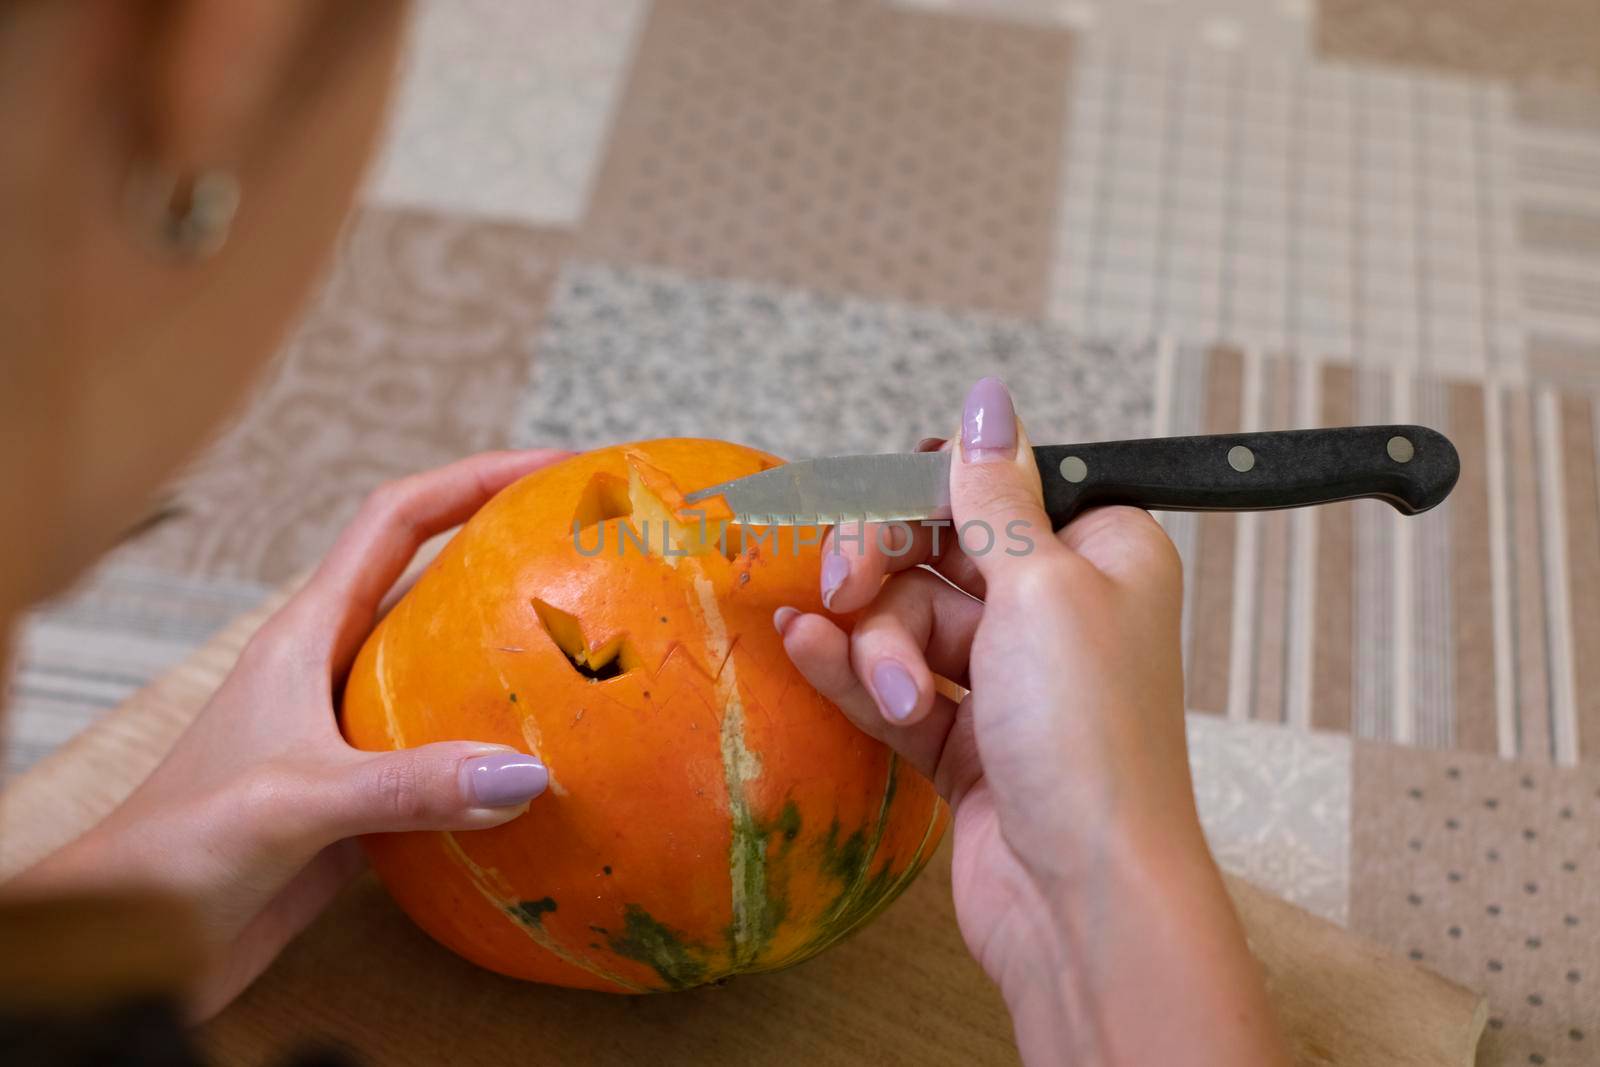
(1564, 360)
(1529, 610)
(1582, 506)
(1331, 697)
(1212, 606)
(1561, 231)
(415, 354)
(848, 148)
(1471, 659)
(1557, 108)
(1529, 41)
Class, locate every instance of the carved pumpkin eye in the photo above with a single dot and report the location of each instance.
(611, 660)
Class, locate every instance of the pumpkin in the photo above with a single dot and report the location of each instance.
(709, 813)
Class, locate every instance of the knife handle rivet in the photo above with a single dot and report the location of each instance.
(1074, 469)
(1400, 449)
(1241, 458)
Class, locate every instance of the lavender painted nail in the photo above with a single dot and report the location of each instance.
(835, 569)
(897, 691)
(783, 617)
(502, 779)
(988, 423)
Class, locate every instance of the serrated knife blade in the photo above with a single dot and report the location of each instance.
(894, 486)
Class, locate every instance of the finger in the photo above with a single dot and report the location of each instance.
(857, 555)
(995, 496)
(856, 559)
(342, 597)
(452, 785)
(1128, 546)
(821, 652)
(924, 625)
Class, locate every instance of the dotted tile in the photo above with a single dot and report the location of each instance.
(1485, 871)
(848, 148)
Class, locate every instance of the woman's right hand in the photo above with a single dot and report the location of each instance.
(1082, 880)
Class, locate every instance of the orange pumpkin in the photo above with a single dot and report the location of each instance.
(709, 813)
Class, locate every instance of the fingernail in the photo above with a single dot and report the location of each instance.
(988, 423)
(929, 444)
(835, 569)
(502, 779)
(783, 617)
(897, 692)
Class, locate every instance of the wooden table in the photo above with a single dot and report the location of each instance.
(903, 990)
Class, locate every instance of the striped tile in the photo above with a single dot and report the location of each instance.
(1556, 189)
(88, 650)
(1468, 628)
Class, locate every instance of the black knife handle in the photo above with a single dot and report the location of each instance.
(1410, 467)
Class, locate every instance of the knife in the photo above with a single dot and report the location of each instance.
(1412, 468)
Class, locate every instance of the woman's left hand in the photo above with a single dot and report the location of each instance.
(249, 817)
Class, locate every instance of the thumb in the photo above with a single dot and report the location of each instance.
(996, 500)
(452, 785)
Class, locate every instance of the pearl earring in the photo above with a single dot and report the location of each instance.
(188, 218)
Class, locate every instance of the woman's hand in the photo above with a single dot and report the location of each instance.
(248, 818)
(1082, 881)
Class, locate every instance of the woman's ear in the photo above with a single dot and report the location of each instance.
(217, 68)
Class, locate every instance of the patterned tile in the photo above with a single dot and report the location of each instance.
(1253, 197)
(414, 355)
(503, 108)
(637, 353)
(1275, 804)
(1532, 40)
(1485, 871)
(849, 148)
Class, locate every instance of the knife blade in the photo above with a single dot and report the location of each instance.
(1412, 468)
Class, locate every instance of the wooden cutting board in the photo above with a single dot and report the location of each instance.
(903, 990)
